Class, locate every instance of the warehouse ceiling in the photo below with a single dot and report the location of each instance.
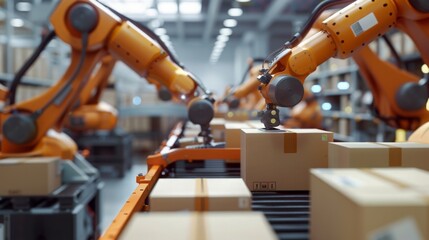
(185, 19)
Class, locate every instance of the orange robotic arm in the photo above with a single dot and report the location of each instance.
(93, 32)
(342, 34)
(246, 91)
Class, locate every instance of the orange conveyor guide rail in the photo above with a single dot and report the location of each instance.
(287, 211)
(166, 156)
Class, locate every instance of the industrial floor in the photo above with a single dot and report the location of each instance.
(117, 190)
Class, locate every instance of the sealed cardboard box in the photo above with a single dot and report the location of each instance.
(356, 204)
(358, 155)
(29, 176)
(409, 154)
(380, 154)
(196, 225)
(281, 159)
(218, 194)
(217, 125)
(233, 133)
(255, 123)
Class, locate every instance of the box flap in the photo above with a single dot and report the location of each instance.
(226, 187)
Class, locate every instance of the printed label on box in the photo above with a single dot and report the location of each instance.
(347, 181)
(243, 203)
(400, 230)
(324, 137)
(256, 186)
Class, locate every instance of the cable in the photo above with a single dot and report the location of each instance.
(21, 72)
(399, 62)
(62, 93)
(155, 37)
(296, 38)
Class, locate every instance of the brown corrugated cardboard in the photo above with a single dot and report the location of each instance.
(358, 204)
(281, 159)
(199, 226)
(200, 195)
(227, 194)
(233, 133)
(358, 155)
(29, 176)
(409, 154)
(380, 154)
(217, 125)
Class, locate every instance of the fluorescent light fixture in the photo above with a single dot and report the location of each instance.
(425, 69)
(316, 88)
(343, 85)
(235, 12)
(225, 31)
(326, 106)
(190, 7)
(167, 7)
(230, 23)
(151, 12)
(243, 1)
(137, 100)
(217, 50)
(156, 23)
(129, 6)
(220, 44)
(23, 6)
(160, 31)
(222, 38)
(165, 38)
(216, 53)
(17, 22)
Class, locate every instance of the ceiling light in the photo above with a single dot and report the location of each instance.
(230, 23)
(167, 7)
(243, 1)
(343, 85)
(316, 88)
(23, 6)
(151, 12)
(137, 100)
(235, 12)
(217, 51)
(326, 106)
(190, 7)
(225, 31)
(129, 7)
(165, 38)
(156, 23)
(222, 38)
(425, 69)
(17, 22)
(220, 44)
(160, 31)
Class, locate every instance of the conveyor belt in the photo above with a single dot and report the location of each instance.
(287, 212)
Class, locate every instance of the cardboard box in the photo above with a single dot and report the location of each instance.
(233, 133)
(29, 176)
(274, 160)
(220, 194)
(358, 155)
(217, 125)
(356, 204)
(255, 123)
(409, 154)
(208, 225)
(381, 154)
